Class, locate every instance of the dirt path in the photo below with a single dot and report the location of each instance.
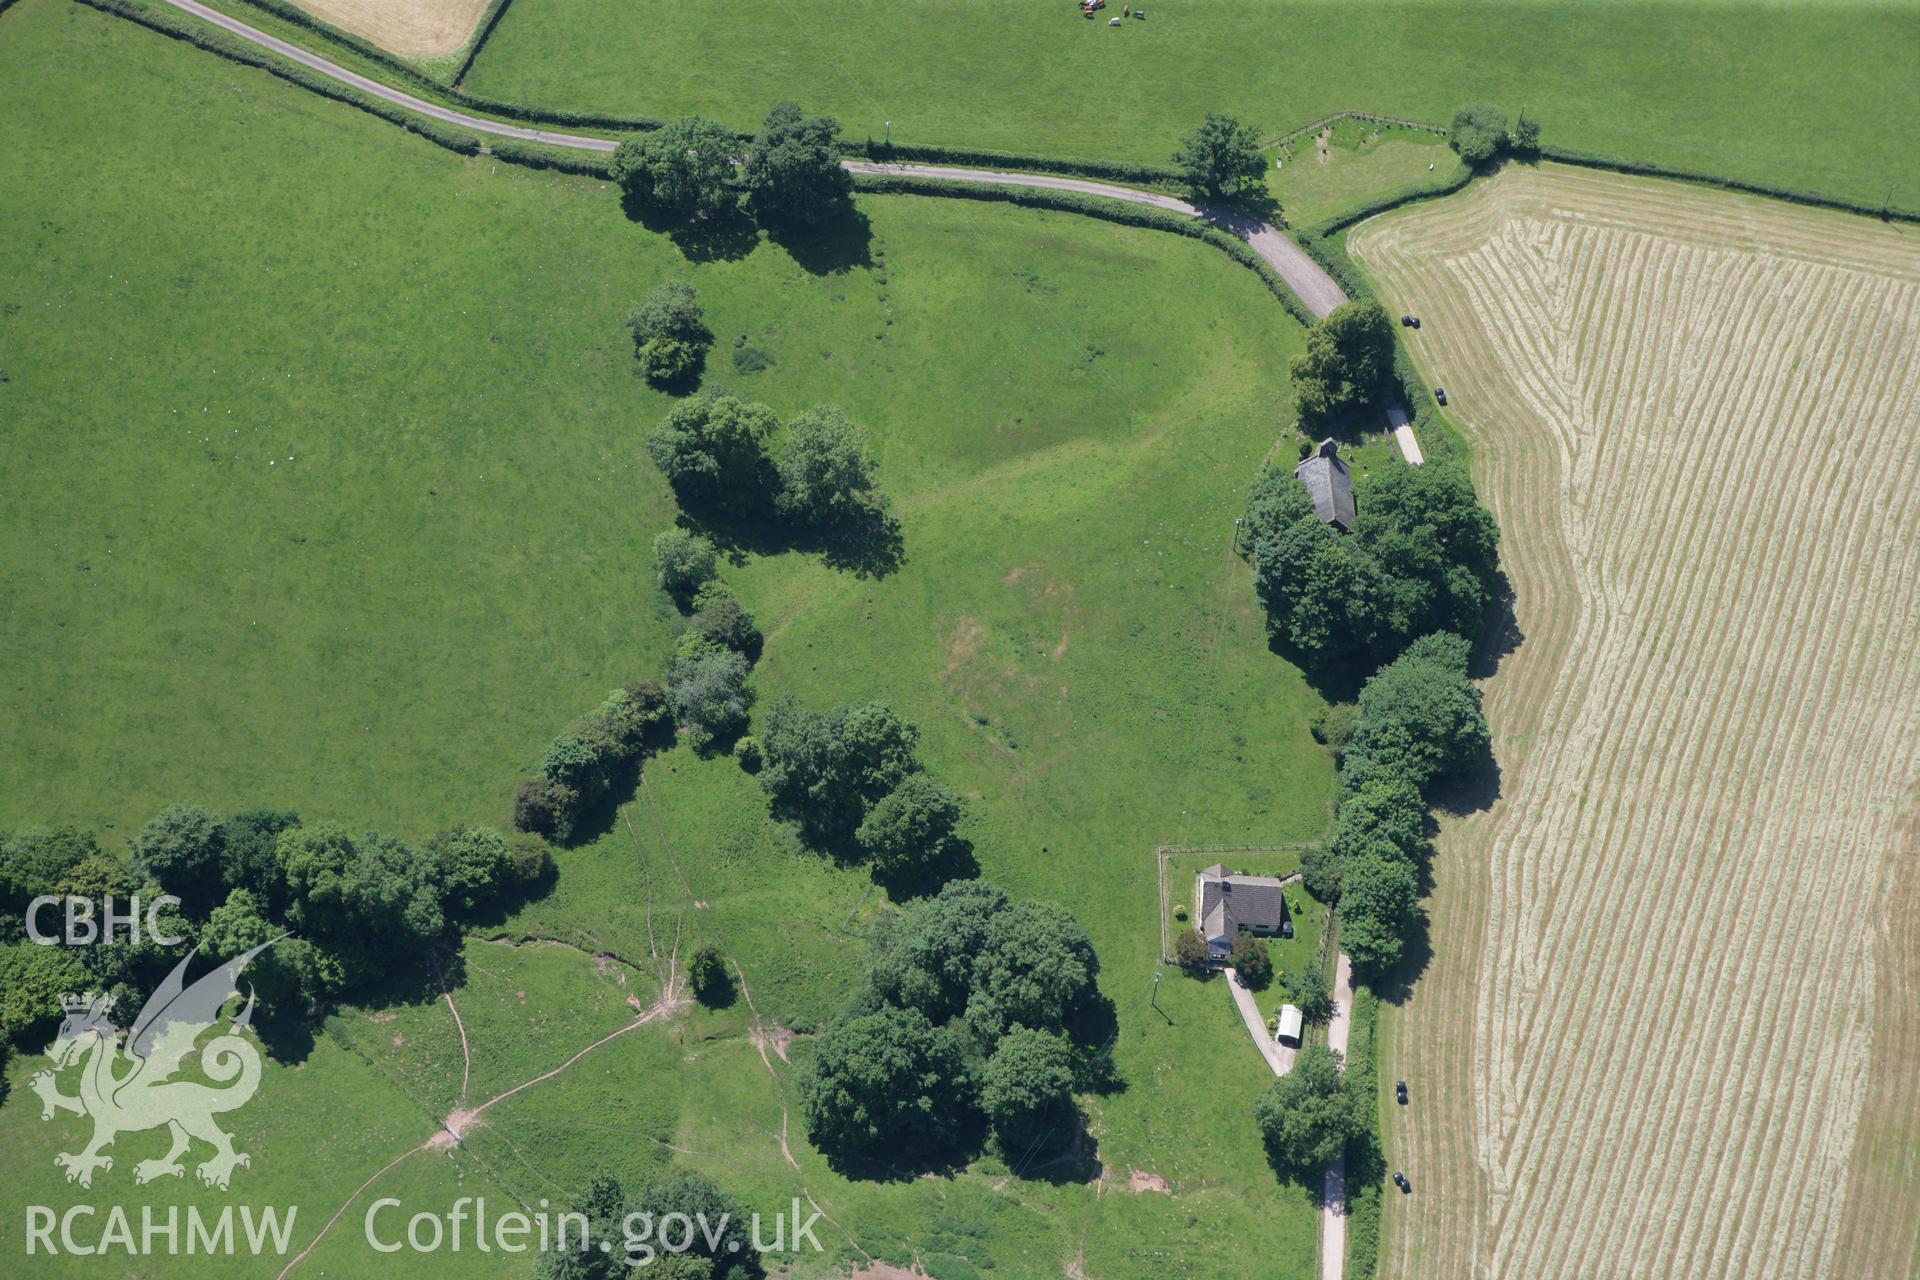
(760, 1035)
(466, 1053)
(1315, 288)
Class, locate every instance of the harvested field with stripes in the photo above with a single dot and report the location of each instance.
(1669, 1025)
(410, 28)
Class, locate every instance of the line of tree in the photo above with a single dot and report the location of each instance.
(1422, 556)
(727, 458)
(788, 174)
(1418, 728)
(851, 779)
(978, 1012)
(702, 698)
(357, 905)
(582, 767)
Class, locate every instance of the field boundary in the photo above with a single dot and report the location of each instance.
(488, 21)
(1372, 117)
(137, 11)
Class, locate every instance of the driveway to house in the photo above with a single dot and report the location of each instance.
(1333, 1192)
(1278, 1056)
(1315, 288)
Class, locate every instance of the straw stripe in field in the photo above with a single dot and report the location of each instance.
(1656, 973)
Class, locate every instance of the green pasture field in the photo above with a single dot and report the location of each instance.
(1364, 162)
(323, 487)
(1815, 94)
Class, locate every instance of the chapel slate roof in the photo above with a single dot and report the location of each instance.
(1329, 483)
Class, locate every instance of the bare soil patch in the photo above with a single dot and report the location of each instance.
(1665, 1021)
(1139, 1180)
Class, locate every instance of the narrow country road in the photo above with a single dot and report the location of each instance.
(1333, 1195)
(1315, 288)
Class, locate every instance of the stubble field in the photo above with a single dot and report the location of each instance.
(1669, 1024)
(410, 28)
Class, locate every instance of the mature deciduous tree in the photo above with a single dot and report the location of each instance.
(826, 470)
(793, 172)
(683, 562)
(712, 449)
(1479, 132)
(1305, 1116)
(884, 1082)
(670, 335)
(1026, 1091)
(1221, 157)
(911, 828)
(1346, 363)
(685, 167)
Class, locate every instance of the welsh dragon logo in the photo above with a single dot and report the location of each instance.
(129, 1087)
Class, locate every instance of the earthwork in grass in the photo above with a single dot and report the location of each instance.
(334, 497)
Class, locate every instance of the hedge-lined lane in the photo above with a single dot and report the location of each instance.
(335, 71)
(1316, 289)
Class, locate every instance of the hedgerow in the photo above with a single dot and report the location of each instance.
(169, 22)
(536, 155)
(1619, 164)
(1117, 170)
(1381, 204)
(1366, 1168)
(451, 91)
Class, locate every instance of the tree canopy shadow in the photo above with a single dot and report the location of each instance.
(831, 247)
(1077, 1164)
(1501, 637)
(868, 545)
(598, 819)
(1416, 953)
(725, 237)
(955, 863)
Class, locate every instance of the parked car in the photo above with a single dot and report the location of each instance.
(1440, 394)
(1406, 322)
(1400, 1091)
(1416, 322)
(1400, 1181)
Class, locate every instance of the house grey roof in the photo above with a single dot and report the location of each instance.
(1229, 903)
(1329, 483)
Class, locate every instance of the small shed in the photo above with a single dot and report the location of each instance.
(1329, 483)
(1291, 1021)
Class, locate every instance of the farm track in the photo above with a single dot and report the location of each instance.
(1670, 1024)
